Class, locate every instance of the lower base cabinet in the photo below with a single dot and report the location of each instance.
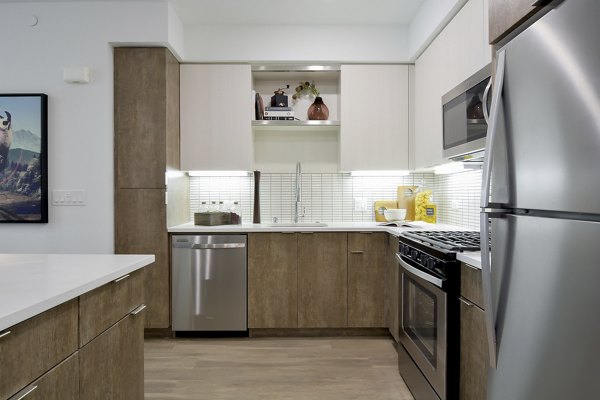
(61, 382)
(112, 365)
(474, 358)
(322, 280)
(366, 279)
(392, 288)
(272, 280)
(40, 358)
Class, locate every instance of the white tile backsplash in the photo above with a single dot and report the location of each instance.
(330, 197)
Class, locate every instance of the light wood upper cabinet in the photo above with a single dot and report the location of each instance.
(374, 117)
(459, 51)
(216, 110)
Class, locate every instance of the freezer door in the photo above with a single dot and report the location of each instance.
(549, 129)
(546, 277)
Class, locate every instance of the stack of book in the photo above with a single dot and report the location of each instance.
(279, 113)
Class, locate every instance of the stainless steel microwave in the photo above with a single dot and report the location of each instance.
(464, 119)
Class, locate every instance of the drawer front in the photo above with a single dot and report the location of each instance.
(60, 383)
(36, 345)
(112, 365)
(103, 307)
(470, 284)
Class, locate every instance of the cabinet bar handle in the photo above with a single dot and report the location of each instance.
(288, 233)
(4, 334)
(121, 278)
(138, 310)
(307, 233)
(28, 392)
(468, 303)
(356, 252)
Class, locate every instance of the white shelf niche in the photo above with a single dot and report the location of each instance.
(327, 82)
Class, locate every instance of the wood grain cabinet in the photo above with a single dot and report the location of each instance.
(34, 346)
(111, 357)
(272, 280)
(112, 365)
(322, 280)
(60, 383)
(146, 87)
(393, 288)
(375, 122)
(99, 309)
(366, 279)
(506, 15)
(474, 358)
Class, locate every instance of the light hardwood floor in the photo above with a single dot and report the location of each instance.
(273, 369)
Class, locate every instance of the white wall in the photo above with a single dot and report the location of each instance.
(80, 131)
(321, 43)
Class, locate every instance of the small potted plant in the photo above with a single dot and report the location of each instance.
(317, 110)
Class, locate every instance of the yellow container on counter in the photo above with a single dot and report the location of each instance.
(425, 210)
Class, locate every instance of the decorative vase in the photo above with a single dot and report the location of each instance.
(318, 110)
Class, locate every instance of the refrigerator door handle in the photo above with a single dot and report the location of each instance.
(492, 129)
(486, 277)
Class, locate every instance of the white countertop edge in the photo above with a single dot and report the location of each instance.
(31, 310)
(472, 258)
(331, 227)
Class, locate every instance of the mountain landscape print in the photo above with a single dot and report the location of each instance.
(23, 158)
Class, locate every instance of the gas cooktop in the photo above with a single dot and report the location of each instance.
(448, 240)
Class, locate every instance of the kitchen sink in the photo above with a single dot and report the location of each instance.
(297, 224)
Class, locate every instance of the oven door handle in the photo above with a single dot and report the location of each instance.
(421, 274)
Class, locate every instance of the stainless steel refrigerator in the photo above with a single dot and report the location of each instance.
(541, 205)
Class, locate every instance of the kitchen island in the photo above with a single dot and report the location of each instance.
(71, 326)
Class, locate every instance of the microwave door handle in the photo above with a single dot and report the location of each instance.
(492, 129)
(486, 92)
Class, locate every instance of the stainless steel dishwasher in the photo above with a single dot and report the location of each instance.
(209, 282)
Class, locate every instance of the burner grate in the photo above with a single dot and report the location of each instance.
(449, 240)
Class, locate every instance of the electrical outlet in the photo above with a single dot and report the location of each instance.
(455, 204)
(68, 197)
(360, 204)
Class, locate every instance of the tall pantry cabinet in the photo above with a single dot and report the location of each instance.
(146, 90)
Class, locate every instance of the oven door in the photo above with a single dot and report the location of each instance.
(423, 323)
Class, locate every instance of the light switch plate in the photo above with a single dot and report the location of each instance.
(69, 197)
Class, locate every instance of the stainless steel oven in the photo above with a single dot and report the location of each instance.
(428, 351)
(423, 324)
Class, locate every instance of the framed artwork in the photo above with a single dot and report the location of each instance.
(23, 158)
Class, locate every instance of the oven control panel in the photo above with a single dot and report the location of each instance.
(423, 259)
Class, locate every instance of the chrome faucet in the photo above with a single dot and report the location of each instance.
(298, 191)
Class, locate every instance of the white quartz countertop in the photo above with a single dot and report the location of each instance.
(33, 283)
(470, 257)
(331, 227)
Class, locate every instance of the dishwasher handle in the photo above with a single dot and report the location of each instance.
(207, 246)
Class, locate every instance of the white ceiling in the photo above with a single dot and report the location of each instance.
(297, 12)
